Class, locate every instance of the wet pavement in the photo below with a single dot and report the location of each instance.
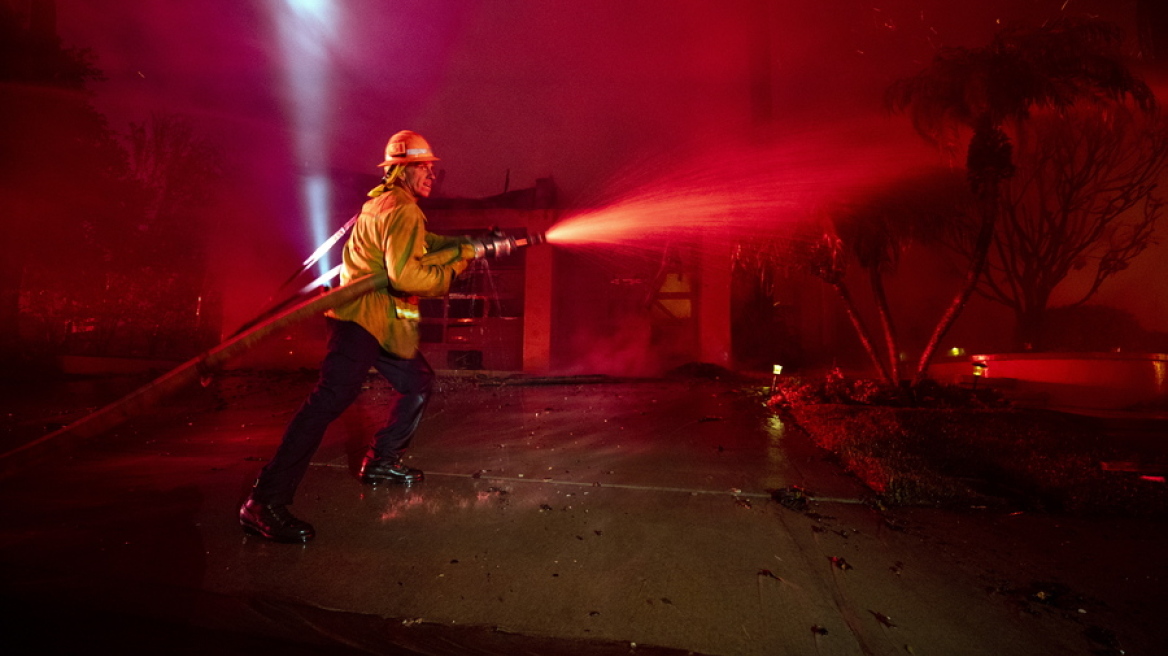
(594, 517)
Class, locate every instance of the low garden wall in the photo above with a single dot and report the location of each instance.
(1086, 381)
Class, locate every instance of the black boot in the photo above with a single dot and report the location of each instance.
(274, 522)
(392, 470)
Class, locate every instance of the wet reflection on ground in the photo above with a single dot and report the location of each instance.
(601, 515)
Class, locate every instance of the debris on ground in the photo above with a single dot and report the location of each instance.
(769, 574)
(792, 497)
(840, 563)
(704, 370)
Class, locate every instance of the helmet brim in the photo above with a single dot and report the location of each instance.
(409, 160)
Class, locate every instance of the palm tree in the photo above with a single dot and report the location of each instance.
(988, 89)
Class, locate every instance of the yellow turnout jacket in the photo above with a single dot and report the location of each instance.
(390, 235)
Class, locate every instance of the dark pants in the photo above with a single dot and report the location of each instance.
(351, 352)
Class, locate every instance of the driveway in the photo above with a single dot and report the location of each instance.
(566, 516)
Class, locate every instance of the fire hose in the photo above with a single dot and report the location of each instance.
(187, 373)
(497, 244)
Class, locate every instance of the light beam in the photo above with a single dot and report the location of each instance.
(307, 29)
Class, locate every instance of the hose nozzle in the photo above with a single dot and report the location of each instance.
(500, 244)
(532, 239)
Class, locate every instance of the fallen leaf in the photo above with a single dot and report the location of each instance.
(769, 574)
(840, 563)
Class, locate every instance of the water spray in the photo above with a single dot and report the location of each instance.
(760, 191)
(320, 252)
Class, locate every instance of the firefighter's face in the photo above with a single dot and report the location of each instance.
(419, 178)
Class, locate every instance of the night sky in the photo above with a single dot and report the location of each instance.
(583, 91)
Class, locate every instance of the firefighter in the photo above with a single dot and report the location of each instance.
(378, 330)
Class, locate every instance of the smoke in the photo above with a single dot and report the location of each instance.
(629, 351)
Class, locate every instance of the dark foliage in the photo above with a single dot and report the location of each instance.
(838, 388)
(101, 250)
(945, 446)
(1056, 65)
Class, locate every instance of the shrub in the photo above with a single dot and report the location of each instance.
(837, 388)
(941, 446)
